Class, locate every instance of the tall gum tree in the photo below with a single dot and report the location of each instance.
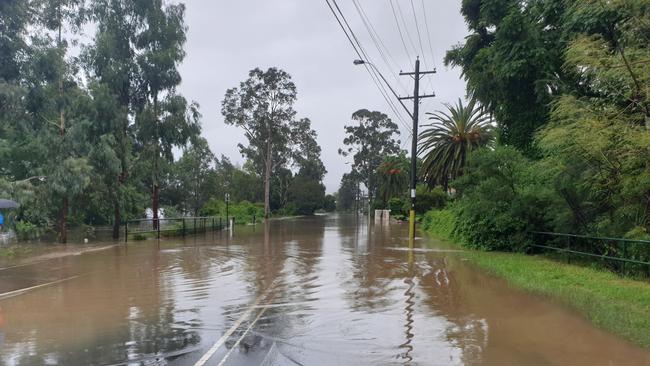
(164, 119)
(262, 105)
(370, 138)
(69, 174)
(110, 63)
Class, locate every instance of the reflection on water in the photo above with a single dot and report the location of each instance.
(309, 291)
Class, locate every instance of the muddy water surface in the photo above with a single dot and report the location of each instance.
(312, 291)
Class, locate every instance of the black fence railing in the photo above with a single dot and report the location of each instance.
(616, 251)
(180, 226)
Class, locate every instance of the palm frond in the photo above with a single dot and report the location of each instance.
(451, 136)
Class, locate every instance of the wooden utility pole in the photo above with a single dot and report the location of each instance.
(417, 75)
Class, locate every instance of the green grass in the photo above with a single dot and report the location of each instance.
(619, 305)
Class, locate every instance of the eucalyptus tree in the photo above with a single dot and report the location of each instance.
(57, 98)
(369, 140)
(306, 148)
(262, 106)
(15, 17)
(307, 193)
(446, 143)
(348, 193)
(196, 175)
(110, 64)
(164, 118)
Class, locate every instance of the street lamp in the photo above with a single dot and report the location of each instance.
(364, 62)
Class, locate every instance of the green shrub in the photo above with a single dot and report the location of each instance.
(439, 222)
(27, 231)
(396, 206)
(503, 196)
(426, 199)
(243, 211)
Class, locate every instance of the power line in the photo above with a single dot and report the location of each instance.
(399, 29)
(379, 44)
(362, 54)
(426, 24)
(355, 45)
(358, 48)
(417, 28)
(408, 34)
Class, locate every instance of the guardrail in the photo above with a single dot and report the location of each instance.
(617, 250)
(180, 225)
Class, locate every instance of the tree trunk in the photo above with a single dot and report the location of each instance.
(154, 178)
(63, 229)
(117, 218)
(121, 179)
(154, 204)
(267, 179)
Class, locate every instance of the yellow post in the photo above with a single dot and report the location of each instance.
(411, 228)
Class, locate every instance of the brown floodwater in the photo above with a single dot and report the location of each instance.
(326, 290)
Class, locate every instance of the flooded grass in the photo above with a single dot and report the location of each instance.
(15, 251)
(611, 302)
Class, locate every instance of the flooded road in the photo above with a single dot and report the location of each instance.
(310, 291)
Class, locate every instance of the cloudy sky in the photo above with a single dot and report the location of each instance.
(228, 38)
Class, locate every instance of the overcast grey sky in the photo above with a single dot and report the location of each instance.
(228, 38)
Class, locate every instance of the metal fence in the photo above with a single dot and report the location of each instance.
(172, 226)
(615, 252)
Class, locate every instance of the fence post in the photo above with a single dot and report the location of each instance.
(624, 255)
(158, 228)
(183, 226)
(126, 231)
(220, 224)
(568, 247)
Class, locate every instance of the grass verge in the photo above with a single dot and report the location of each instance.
(613, 303)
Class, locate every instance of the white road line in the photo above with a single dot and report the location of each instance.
(21, 291)
(223, 361)
(204, 359)
(63, 255)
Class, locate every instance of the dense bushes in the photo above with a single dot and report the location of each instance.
(439, 222)
(427, 199)
(27, 231)
(502, 197)
(243, 211)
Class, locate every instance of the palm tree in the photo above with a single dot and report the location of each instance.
(449, 139)
(393, 175)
